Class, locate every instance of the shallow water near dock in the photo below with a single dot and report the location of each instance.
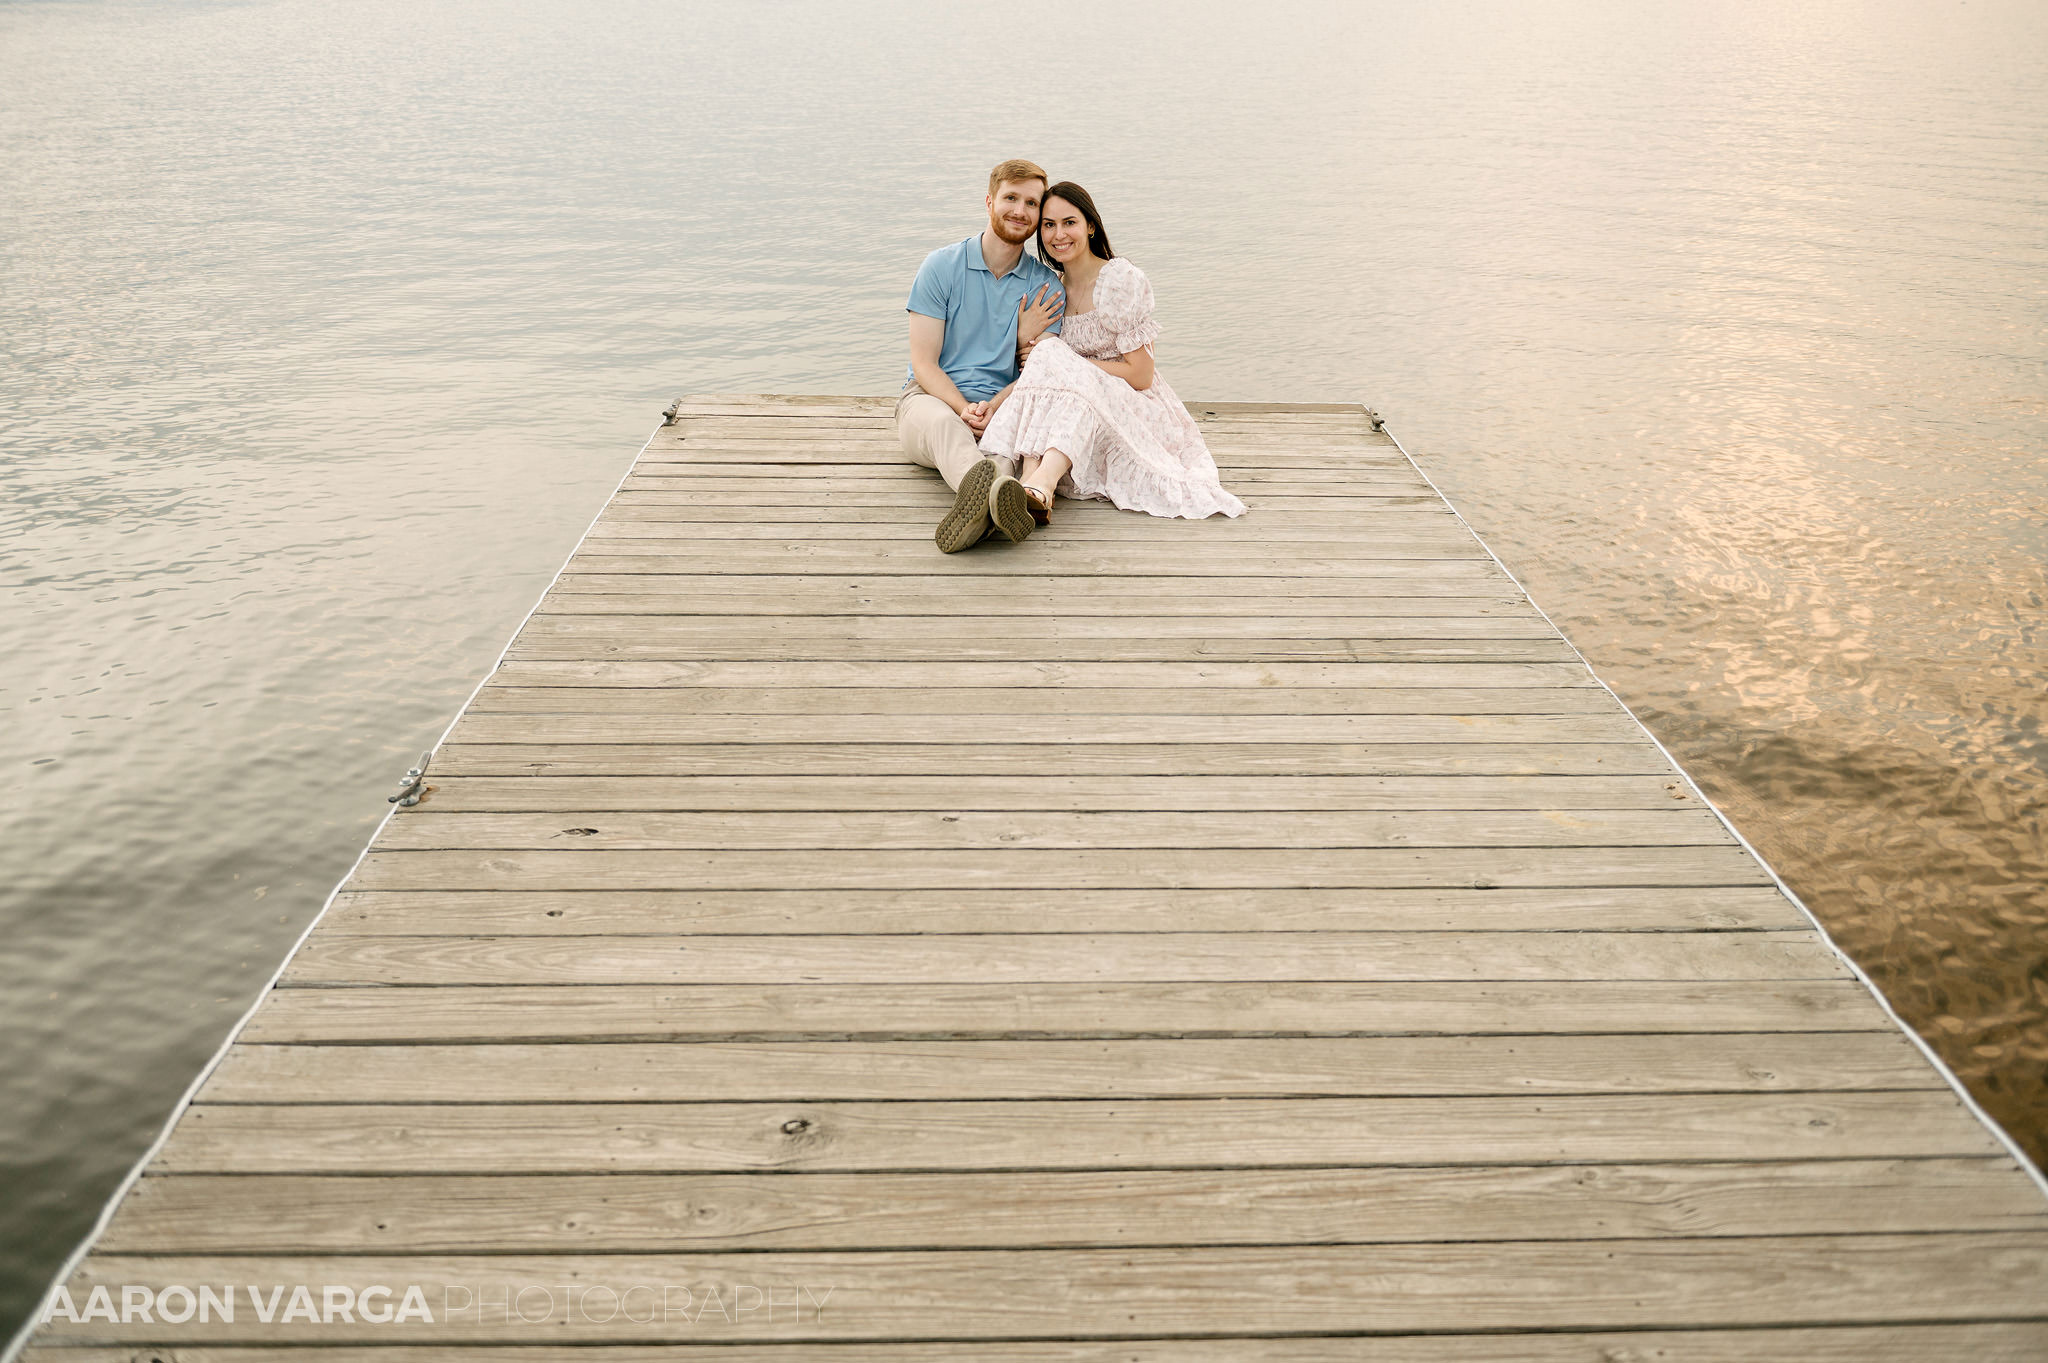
(327, 329)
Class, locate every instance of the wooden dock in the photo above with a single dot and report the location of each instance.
(1258, 941)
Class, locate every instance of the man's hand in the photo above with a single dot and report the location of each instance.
(976, 415)
(1036, 315)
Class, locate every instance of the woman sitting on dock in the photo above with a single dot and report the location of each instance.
(1091, 416)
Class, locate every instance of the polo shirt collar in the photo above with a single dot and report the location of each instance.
(975, 260)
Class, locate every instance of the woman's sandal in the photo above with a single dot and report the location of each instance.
(1041, 504)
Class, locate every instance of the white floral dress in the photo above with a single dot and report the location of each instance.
(1139, 450)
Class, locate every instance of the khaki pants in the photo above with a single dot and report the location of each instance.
(934, 437)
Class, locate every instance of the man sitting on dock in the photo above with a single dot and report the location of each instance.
(964, 309)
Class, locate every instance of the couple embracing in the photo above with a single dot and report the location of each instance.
(1032, 377)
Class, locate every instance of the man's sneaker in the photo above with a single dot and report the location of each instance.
(1010, 509)
(967, 522)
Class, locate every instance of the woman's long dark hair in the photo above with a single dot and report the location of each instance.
(1098, 236)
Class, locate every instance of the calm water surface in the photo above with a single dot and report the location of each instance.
(327, 328)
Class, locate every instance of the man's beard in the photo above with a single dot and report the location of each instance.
(1003, 230)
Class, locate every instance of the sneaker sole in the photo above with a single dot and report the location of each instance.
(1010, 509)
(967, 522)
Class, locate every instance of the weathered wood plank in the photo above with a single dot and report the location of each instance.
(882, 429)
(932, 502)
(1080, 727)
(1076, 1134)
(1315, 459)
(657, 1213)
(831, 481)
(696, 509)
(669, 620)
(1369, 502)
(879, 423)
(603, 554)
(521, 912)
(667, 639)
(1336, 475)
(669, 616)
(919, 570)
(1315, 679)
(1247, 793)
(667, 517)
(786, 406)
(1993, 1342)
(301, 1014)
(682, 472)
(829, 595)
(334, 958)
(1229, 1067)
(1218, 433)
(1322, 456)
(940, 700)
(855, 492)
(710, 450)
(893, 1294)
(972, 760)
(1070, 730)
(814, 464)
(685, 596)
(879, 413)
(875, 462)
(666, 510)
(1368, 596)
(566, 638)
(425, 828)
(1399, 534)
(1058, 868)
(881, 426)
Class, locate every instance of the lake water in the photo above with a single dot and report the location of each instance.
(328, 327)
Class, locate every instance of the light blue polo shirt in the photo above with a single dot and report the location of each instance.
(956, 286)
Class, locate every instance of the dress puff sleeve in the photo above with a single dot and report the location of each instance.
(1125, 296)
